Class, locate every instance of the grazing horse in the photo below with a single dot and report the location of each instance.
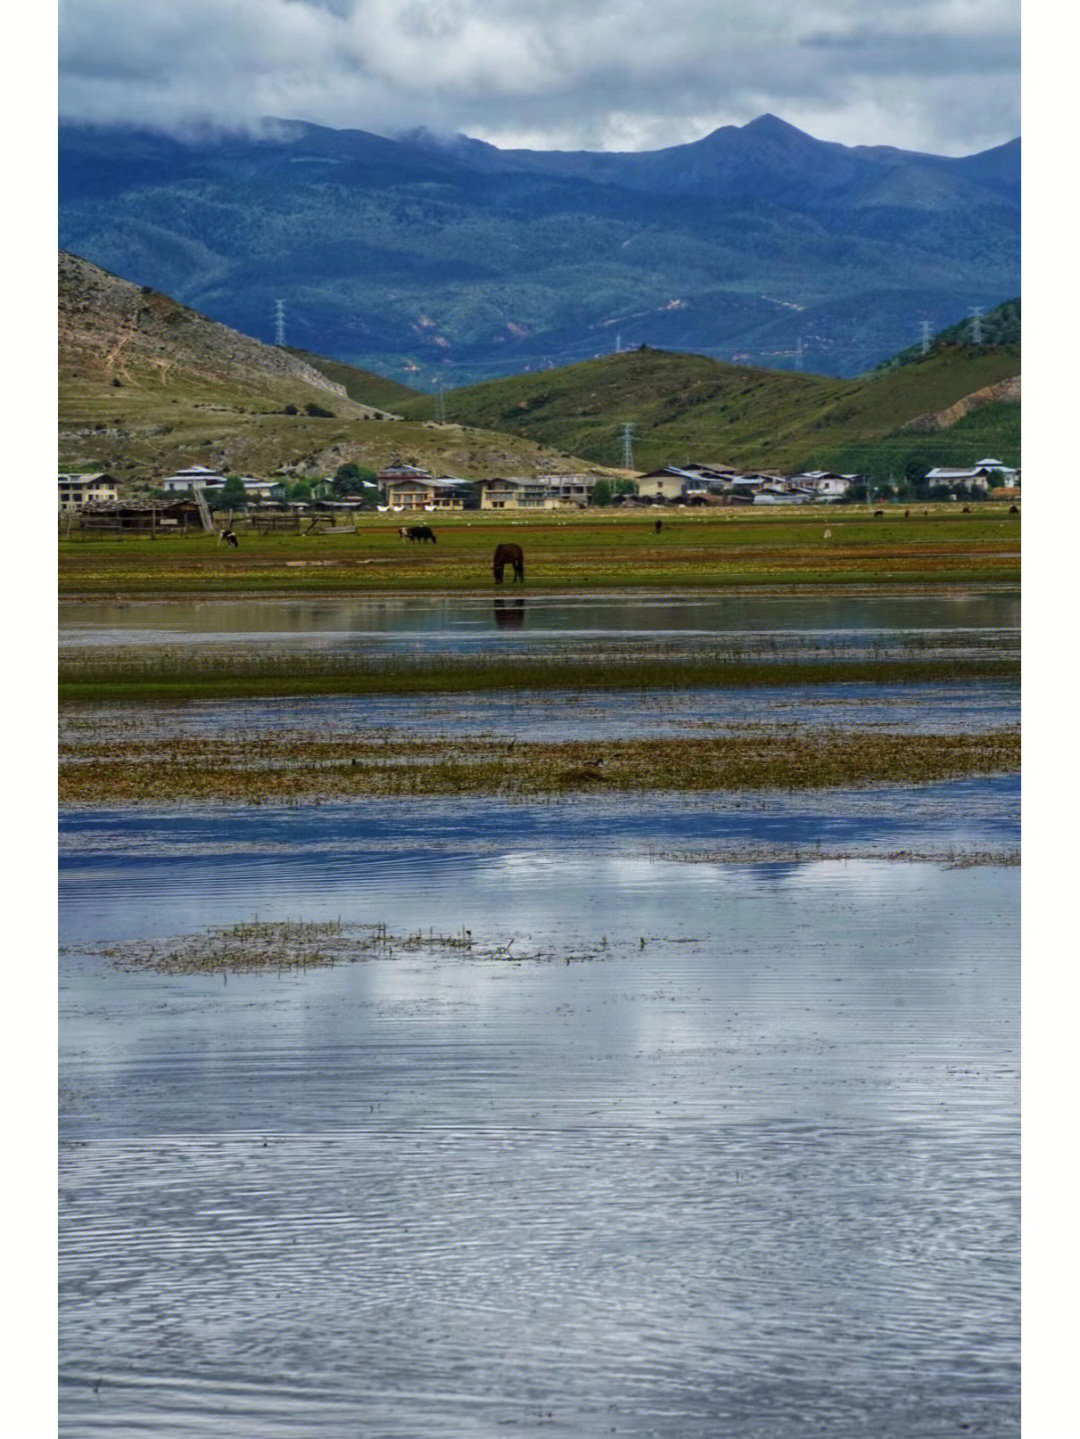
(1014, 509)
(879, 514)
(508, 555)
(658, 526)
(417, 532)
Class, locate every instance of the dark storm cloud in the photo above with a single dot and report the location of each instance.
(622, 74)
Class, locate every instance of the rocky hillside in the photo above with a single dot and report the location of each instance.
(1005, 392)
(120, 333)
(147, 385)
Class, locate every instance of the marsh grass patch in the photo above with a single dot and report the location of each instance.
(306, 768)
(256, 946)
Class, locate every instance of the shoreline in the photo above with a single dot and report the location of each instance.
(739, 590)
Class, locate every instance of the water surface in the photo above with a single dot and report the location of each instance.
(537, 624)
(741, 1158)
(724, 1143)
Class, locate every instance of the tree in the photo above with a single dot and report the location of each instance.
(917, 467)
(601, 493)
(348, 478)
(232, 495)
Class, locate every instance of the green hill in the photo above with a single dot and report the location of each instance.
(685, 407)
(360, 385)
(999, 328)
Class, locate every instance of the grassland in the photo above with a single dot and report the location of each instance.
(363, 386)
(839, 547)
(993, 429)
(148, 429)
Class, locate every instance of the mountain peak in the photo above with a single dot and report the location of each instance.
(771, 126)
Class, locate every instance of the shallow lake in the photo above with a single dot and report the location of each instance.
(724, 1140)
(737, 1154)
(976, 619)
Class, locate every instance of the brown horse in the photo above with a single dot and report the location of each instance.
(508, 555)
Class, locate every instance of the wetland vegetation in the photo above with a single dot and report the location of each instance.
(306, 768)
(299, 944)
(181, 674)
(670, 648)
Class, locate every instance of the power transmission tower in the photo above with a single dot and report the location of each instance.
(925, 324)
(618, 344)
(627, 448)
(976, 324)
(440, 403)
(279, 322)
(798, 353)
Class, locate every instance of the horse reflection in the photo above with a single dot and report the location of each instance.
(510, 614)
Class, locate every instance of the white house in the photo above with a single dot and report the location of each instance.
(74, 491)
(825, 484)
(667, 484)
(193, 475)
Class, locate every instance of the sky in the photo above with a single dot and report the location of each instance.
(934, 75)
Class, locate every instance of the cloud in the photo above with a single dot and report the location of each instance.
(926, 74)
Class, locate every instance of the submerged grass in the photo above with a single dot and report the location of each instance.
(187, 674)
(305, 769)
(300, 944)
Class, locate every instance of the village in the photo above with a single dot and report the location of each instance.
(190, 498)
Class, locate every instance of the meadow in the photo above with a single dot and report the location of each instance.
(835, 546)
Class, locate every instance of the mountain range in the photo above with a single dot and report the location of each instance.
(439, 261)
